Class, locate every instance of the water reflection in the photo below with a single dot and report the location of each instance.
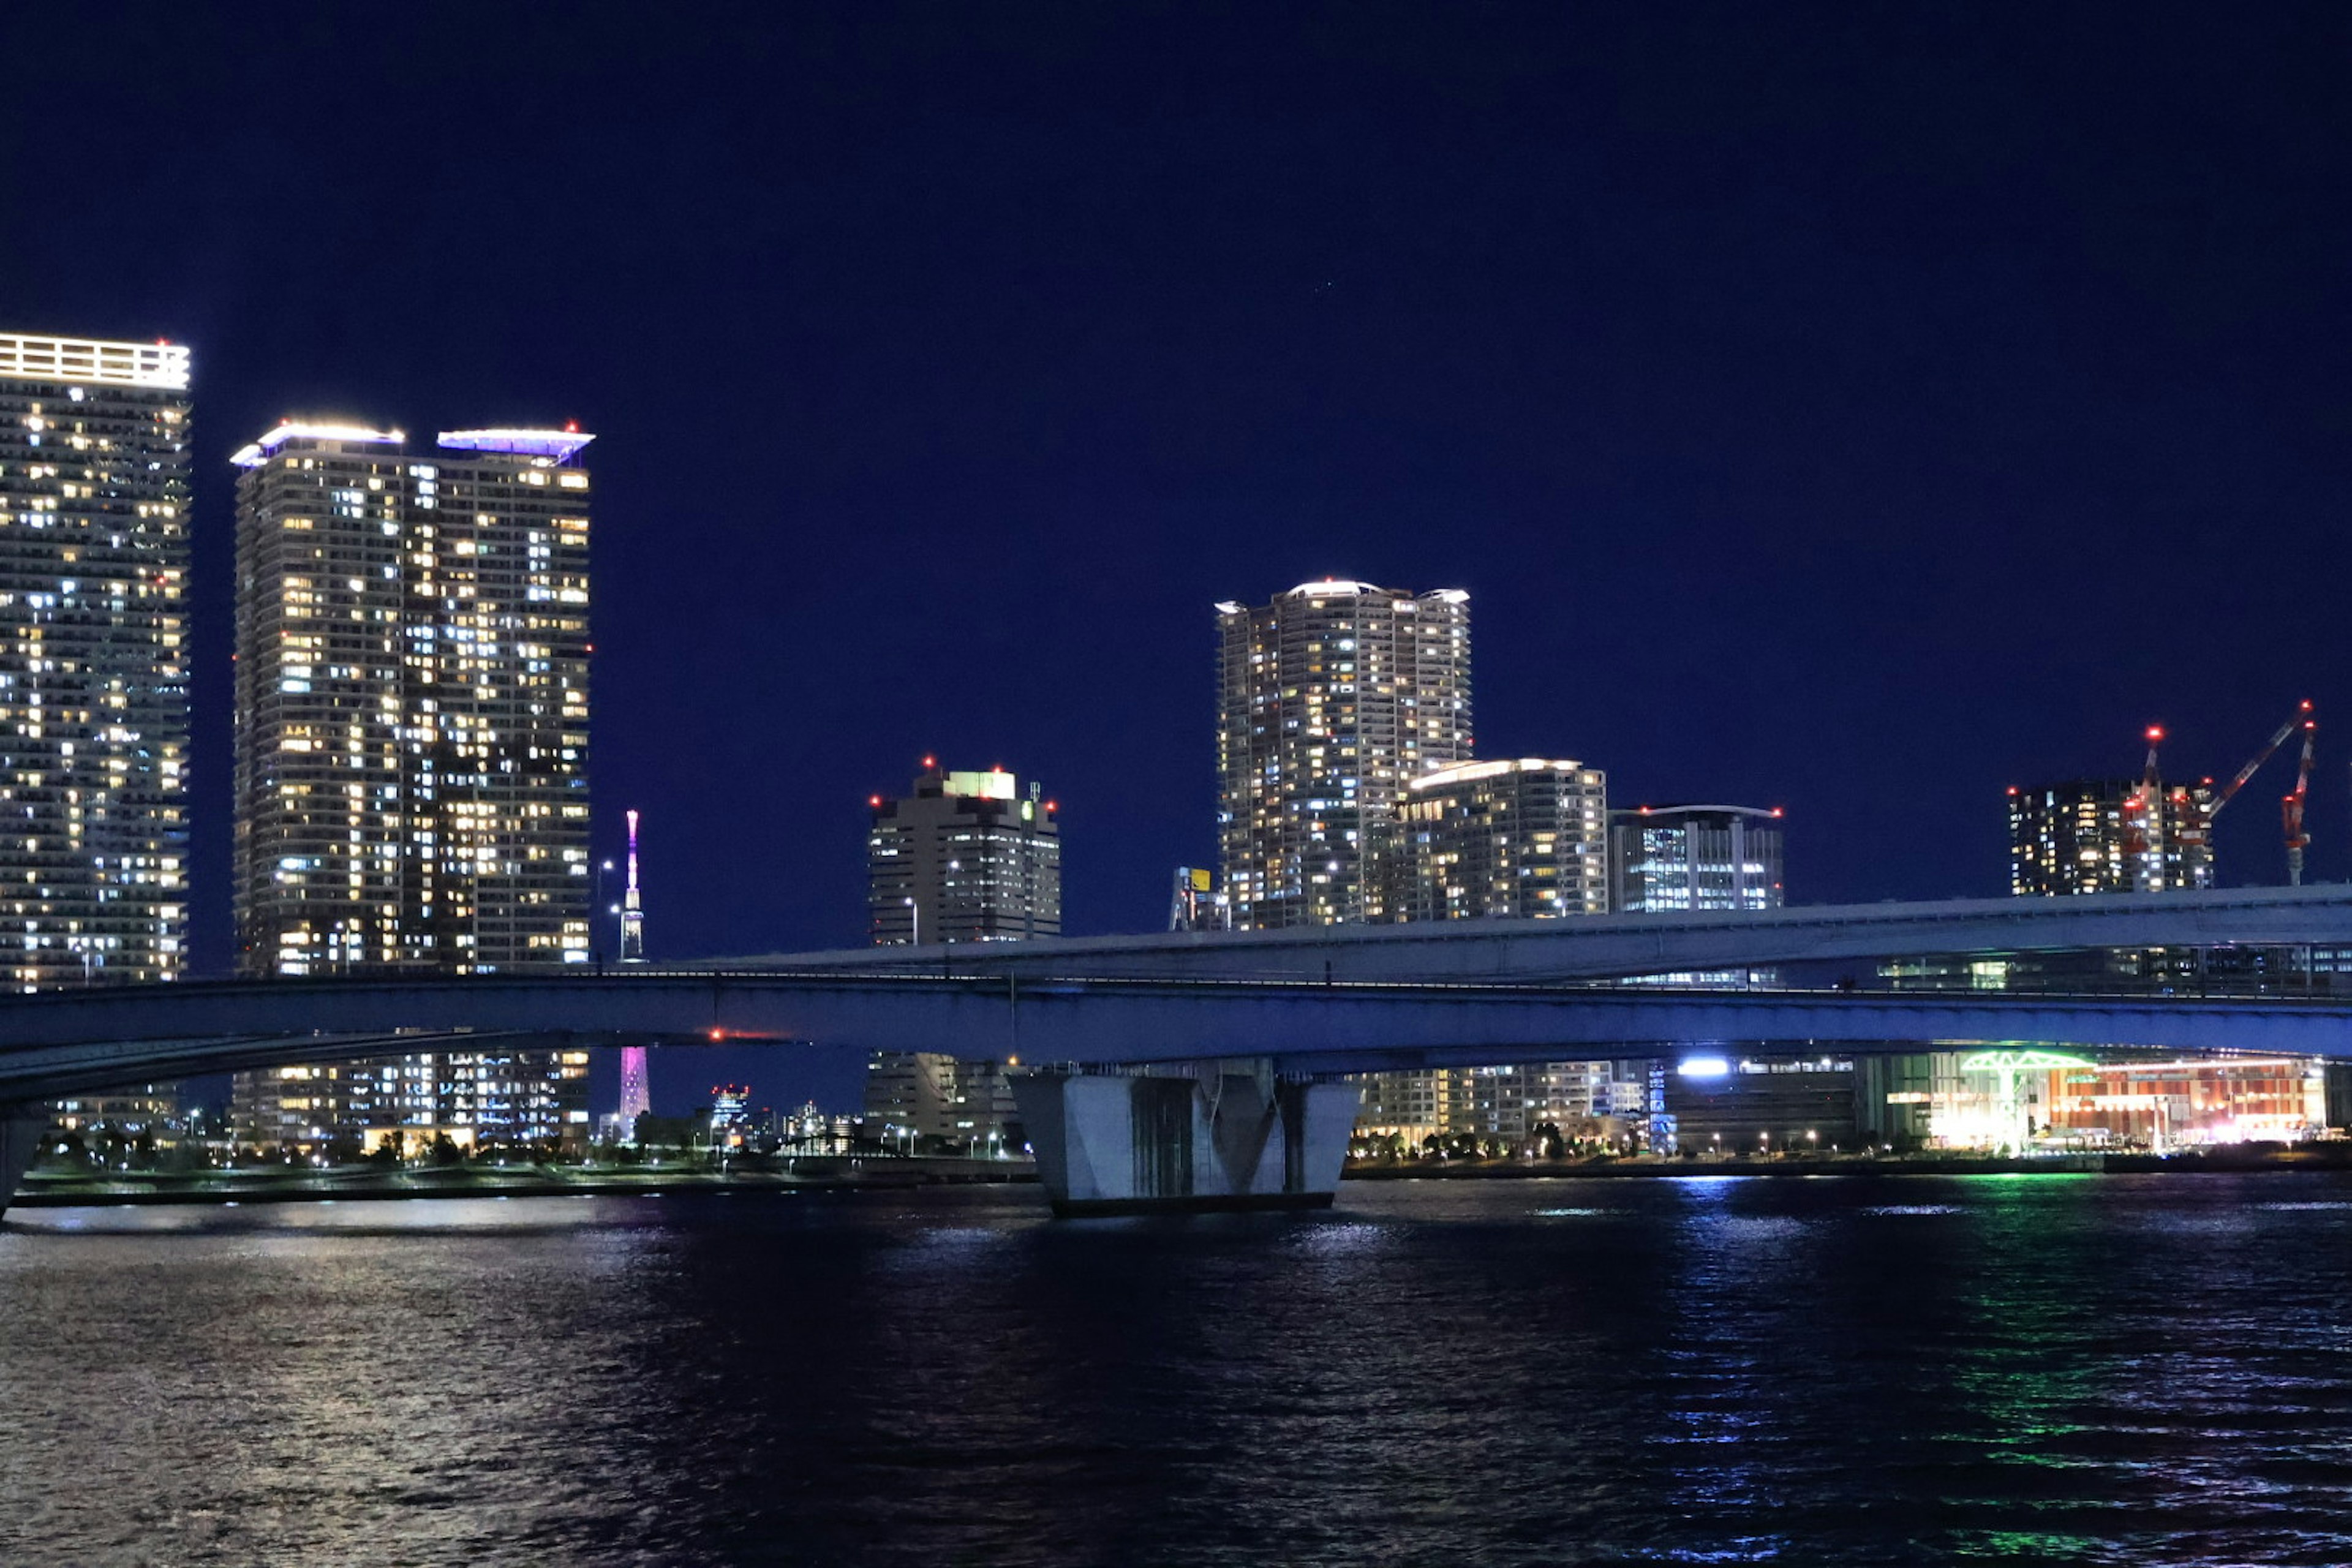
(2116, 1370)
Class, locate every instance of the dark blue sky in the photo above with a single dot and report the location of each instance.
(1852, 410)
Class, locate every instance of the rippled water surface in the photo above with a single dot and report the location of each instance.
(2052, 1369)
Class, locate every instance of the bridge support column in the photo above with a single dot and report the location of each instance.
(1225, 1135)
(20, 1145)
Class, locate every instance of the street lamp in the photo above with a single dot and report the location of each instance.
(601, 867)
(914, 913)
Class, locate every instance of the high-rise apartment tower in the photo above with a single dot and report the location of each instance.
(2099, 836)
(1331, 700)
(1526, 837)
(412, 701)
(411, 750)
(94, 462)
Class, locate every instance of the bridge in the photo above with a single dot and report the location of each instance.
(1240, 1024)
(1603, 947)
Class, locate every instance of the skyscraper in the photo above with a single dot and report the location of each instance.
(1521, 838)
(965, 857)
(1695, 857)
(2096, 836)
(94, 461)
(412, 731)
(1331, 699)
(412, 701)
(1527, 838)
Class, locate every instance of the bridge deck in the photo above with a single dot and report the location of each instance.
(58, 1041)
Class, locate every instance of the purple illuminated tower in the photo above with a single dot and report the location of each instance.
(635, 1098)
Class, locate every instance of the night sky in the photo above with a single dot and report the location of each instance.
(1856, 411)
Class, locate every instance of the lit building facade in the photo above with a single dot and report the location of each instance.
(411, 749)
(412, 701)
(502, 1098)
(1759, 1105)
(94, 465)
(1576, 1102)
(964, 858)
(1695, 857)
(1524, 839)
(1331, 700)
(2099, 836)
(2017, 1098)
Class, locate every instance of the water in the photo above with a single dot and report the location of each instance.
(2032, 1370)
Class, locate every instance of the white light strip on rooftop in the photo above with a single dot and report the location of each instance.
(258, 452)
(93, 362)
(1462, 773)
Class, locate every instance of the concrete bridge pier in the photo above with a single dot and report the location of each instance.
(20, 1145)
(1218, 1135)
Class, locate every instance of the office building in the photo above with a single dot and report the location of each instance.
(1331, 700)
(1695, 857)
(2099, 836)
(1759, 1105)
(410, 747)
(1527, 840)
(964, 858)
(94, 464)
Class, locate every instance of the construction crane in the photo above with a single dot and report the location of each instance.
(2146, 824)
(2291, 808)
(2302, 715)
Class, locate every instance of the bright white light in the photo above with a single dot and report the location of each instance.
(94, 361)
(1704, 1066)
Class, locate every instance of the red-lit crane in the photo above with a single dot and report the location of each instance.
(2291, 808)
(2302, 715)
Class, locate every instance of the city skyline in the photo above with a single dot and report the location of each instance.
(1690, 451)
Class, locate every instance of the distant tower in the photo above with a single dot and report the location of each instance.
(633, 915)
(635, 1098)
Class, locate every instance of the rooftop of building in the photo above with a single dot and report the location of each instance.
(1673, 813)
(254, 454)
(544, 447)
(556, 445)
(93, 362)
(1467, 773)
(1349, 587)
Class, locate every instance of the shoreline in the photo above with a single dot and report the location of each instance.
(844, 1175)
(861, 1176)
(2334, 1156)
